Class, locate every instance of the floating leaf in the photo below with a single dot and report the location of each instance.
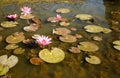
(64, 24)
(36, 61)
(19, 50)
(68, 38)
(106, 30)
(54, 56)
(84, 16)
(88, 46)
(97, 38)
(62, 10)
(3, 59)
(74, 50)
(31, 28)
(4, 70)
(93, 28)
(11, 61)
(117, 44)
(8, 24)
(61, 31)
(93, 60)
(11, 46)
(28, 16)
(15, 37)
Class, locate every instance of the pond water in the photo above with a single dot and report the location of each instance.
(74, 65)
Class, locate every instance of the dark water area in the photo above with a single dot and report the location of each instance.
(74, 65)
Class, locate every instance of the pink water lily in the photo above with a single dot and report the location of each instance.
(26, 10)
(43, 41)
(58, 17)
(12, 17)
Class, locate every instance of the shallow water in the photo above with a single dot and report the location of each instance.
(74, 65)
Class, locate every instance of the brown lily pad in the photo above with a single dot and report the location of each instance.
(74, 50)
(36, 61)
(15, 37)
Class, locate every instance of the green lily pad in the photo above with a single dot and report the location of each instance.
(106, 30)
(11, 46)
(62, 10)
(116, 42)
(93, 28)
(68, 38)
(9, 24)
(88, 46)
(84, 16)
(117, 47)
(54, 56)
(11, 61)
(93, 60)
(19, 50)
(4, 70)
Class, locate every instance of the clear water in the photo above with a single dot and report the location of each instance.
(74, 65)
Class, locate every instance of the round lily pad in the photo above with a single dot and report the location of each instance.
(106, 30)
(4, 70)
(9, 24)
(93, 60)
(36, 61)
(93, 28)
(116, 44)
(28, 16)
(61, 31)
(8, 61)
(54, 56)
(30, 28)
(19, 50)
(64, 24)
(68, 38)
(62, 10)
(84, 16)
(88, 46)
(52, 19)
(11, 46)
(15, 37)
(74, 50)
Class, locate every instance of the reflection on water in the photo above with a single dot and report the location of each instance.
(74, 65)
